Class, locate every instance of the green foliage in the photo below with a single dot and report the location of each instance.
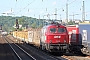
(8, 22)
(71, 23)
(34, 25)
(20, 29)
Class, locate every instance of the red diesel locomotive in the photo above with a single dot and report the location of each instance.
(74, 41)
(54, 38)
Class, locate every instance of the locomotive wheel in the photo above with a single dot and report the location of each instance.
(27, 42)
(42, 47)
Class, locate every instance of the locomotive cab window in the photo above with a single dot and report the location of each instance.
(52, 30)
(61, 30)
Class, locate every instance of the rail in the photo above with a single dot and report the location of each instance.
(31, 57)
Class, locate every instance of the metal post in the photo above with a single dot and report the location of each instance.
(43, 20)
(55, 13)
(83, 12)
(60, 17)
(39, 20)
(67, 12)
(73, 16)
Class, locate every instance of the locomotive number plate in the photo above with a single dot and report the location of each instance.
(57, 36)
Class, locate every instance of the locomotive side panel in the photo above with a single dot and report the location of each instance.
(73, 31)
(74, 41)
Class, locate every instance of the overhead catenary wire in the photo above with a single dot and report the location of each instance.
(68, 4)
(83, 12)
(72, 3)
(15, 6)
(25, 6)
(46, 8)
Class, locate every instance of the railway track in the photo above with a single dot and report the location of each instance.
(19, 52)
(66, 56)
(41, 54)
(37, 54)
(5, 51)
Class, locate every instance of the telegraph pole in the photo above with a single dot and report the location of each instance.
(55, 13)
(43, 20)
(60, 17)
(83, 12)
(39, 20)
(67, 12)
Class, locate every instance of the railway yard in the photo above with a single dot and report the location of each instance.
(45, 30)
(14, 49)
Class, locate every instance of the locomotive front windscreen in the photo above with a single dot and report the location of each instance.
(59, 30)
(52, 30)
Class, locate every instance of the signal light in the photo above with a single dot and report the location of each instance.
(17, 25)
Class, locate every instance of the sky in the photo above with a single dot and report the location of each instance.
(42, 8)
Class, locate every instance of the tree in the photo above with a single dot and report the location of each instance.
(71, 22)
(34, 25)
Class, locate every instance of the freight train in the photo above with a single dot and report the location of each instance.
(56, 37)
(53, 37)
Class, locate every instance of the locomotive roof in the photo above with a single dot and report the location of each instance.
(53, 25)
